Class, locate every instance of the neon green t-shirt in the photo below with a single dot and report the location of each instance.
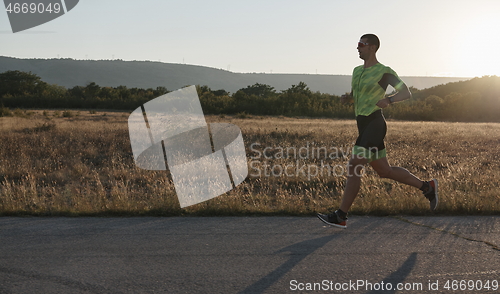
(369, 85)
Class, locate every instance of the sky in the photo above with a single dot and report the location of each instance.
(418, 38)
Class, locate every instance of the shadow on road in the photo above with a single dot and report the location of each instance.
(399, 275)
(298, 252)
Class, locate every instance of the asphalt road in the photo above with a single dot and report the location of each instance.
(249, 255)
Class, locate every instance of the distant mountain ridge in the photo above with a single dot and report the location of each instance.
(148, 74)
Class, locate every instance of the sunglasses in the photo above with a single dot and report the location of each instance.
(362, 44)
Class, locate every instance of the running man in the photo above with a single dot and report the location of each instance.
(368, 87)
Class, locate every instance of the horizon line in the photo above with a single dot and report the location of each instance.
(263, 72)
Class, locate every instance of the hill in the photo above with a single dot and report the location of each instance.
(487, 87)
(147, 74)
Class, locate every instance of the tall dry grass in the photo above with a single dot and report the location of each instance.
(82, 165)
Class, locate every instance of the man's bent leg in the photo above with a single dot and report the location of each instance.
(429, 188)
(384, 170)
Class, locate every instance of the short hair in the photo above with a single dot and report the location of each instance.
(372, 39)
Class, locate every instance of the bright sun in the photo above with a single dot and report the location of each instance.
(478, 46)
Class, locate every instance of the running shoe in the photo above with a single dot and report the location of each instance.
(432, 194)
(333, 219)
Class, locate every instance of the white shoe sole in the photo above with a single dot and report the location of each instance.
(331, 224)
(437, 198)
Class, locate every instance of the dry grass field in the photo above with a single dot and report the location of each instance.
(80, 163)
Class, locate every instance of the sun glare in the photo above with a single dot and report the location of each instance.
(477, 45)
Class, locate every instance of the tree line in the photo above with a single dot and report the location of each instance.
(473, 100)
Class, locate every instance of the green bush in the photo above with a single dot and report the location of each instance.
(21, 113)
(5, 111)
(67, 113)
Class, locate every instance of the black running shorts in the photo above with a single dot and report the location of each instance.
(372, 130)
